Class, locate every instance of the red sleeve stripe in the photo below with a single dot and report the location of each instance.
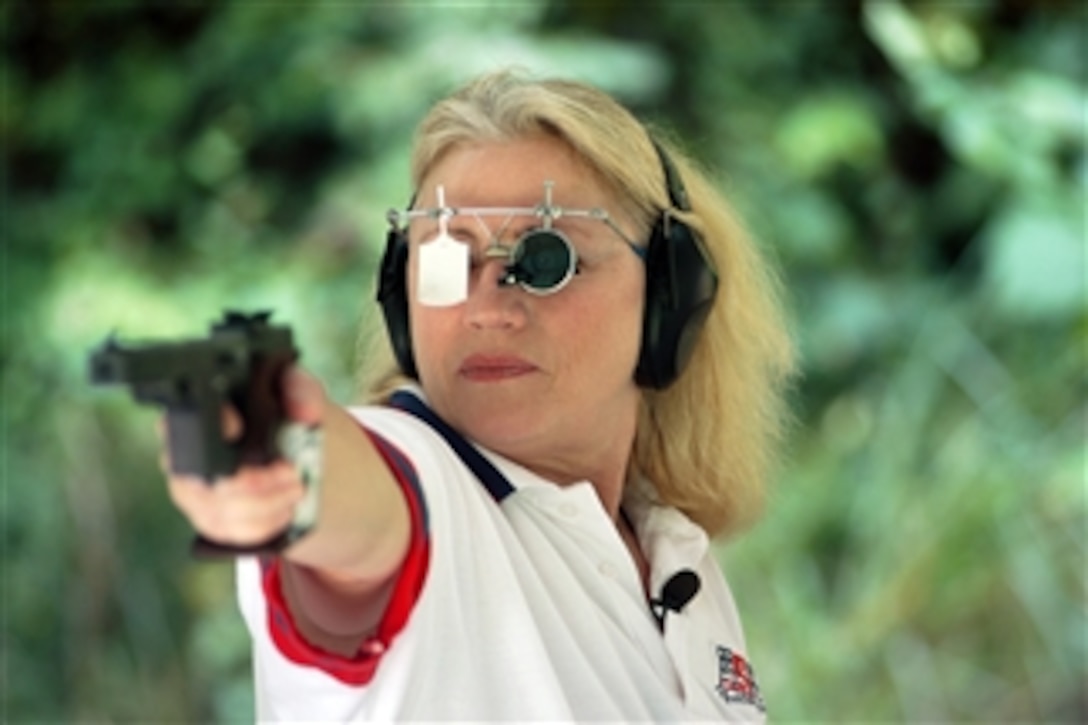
(359, 669)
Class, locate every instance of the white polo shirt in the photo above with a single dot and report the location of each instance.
(528, 609)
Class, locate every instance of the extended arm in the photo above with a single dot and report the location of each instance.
(337, 578)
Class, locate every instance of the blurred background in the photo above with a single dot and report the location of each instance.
(918, 169)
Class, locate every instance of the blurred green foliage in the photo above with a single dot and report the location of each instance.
(918, 168)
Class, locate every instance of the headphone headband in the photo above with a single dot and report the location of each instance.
(674, 185)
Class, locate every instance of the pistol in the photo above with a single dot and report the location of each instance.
(240, 363)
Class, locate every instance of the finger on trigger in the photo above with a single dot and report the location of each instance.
(303, 396)
(231, 421)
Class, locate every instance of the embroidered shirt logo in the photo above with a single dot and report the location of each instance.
(737, 680)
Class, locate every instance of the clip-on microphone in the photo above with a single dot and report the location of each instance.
(680, 589)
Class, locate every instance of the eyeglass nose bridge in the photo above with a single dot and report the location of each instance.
(494, 250)
(499, 251)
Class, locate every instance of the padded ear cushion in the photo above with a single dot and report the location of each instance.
(393, 297)
(680, 286)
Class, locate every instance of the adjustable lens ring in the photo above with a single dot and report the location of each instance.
(542, 262)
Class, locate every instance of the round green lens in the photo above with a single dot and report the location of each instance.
(543, 261)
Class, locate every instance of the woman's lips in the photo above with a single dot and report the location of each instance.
(492, 368)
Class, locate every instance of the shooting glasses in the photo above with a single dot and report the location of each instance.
(541, 261)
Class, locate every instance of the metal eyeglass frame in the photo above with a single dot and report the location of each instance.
(546, 211)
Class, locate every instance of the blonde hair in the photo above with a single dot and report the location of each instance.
(708, 441)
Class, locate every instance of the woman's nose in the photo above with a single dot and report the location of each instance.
(491, 303)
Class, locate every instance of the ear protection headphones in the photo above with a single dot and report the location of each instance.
(681, 282)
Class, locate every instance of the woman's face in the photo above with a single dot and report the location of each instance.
(542, 379)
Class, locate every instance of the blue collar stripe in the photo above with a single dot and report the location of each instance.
(485, 471)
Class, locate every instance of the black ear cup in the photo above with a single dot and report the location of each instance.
(681, 282)
(393, 297)
(680, 288)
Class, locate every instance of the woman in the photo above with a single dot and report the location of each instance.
(577, 302)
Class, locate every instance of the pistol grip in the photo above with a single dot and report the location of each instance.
(195, 437)
(260, 402)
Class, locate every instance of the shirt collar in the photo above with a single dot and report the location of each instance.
(670, 540)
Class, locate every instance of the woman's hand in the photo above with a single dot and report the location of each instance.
(256, 503)
(338, 577)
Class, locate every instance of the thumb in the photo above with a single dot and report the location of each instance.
(304, 396)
